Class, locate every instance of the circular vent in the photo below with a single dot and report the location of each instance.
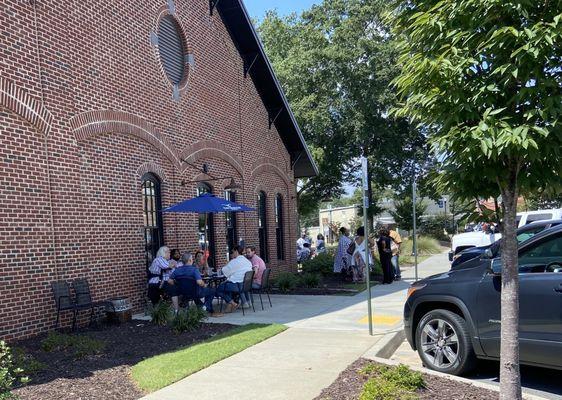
(171, 49)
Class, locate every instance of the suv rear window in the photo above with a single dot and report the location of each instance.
(537, 217)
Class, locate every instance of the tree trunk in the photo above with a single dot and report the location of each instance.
(510, 378)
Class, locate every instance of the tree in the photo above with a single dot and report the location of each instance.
(335, 63)
(485, 74)
(404, 212)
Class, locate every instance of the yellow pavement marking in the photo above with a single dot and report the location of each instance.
(381, 319)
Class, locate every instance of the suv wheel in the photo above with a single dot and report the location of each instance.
(443, 342)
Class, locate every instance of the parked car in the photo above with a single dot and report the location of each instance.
(480, 238)
(452, 319)
(524, 233)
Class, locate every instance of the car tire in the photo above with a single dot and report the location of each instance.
(444, 344)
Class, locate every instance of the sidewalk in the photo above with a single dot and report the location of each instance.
(327, 333)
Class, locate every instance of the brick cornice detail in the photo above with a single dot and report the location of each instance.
(206, 149)
(93, 123)
(153, 168)
(30, 108)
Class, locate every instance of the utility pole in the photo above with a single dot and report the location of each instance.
(415, 244)
(367, 249)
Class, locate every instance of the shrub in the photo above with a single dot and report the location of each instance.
(9, 373)
(81, 345)
(427, 245)
(321, 264)
(188, 320)
(286, 281)
(433, 226)
(161, 313)
(310, 280)
(26, 362)
(391, 383)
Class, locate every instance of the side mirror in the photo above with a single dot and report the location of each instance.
(495, 267)
(488, 253)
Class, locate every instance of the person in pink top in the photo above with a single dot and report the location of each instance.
(257, 264)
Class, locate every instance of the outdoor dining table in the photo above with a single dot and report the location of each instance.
(214, 280)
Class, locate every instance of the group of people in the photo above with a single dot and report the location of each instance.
(305, 250)
(351, 258)
(170, 266)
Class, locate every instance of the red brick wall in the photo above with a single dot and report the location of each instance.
(85, 111)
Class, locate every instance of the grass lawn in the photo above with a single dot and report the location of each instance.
(162, 370)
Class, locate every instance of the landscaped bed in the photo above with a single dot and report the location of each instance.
(368, 380)
(98, 364)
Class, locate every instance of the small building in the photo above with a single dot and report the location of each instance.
(331, 219)
(112, 110)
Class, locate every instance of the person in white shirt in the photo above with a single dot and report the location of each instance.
(234, 272)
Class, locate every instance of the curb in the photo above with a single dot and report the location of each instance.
(387, 345)
(453, 378)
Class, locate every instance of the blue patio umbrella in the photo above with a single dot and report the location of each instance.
(207, 203)
(204, 204)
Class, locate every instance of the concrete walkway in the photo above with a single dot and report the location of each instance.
(327, 333)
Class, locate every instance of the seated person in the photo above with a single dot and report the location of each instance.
(189, 271)
(158, 273)
(201, 263)
(234, 272)
(258, 265)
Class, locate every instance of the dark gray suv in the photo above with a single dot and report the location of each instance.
(452, 319)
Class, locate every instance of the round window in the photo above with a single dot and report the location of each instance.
(172, 49)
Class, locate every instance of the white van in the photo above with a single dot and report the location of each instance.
(525, 218)
(466, 240)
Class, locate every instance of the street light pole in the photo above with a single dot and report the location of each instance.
(414, 243)
(367, 250)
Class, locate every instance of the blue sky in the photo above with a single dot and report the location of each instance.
(257, 8)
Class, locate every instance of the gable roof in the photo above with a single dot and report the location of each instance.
(236, 18)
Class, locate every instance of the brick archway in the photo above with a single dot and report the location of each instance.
(19, 101)
(93, 123)
(267, 165)
(207, 149)
(153, 168)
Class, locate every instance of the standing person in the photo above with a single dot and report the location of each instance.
(234, 272)
(159, 272)
(385, 254)
(358, 261)
(320, 244)
(342, 260)
(395, 247)
(258, 265)
(301, 241)
(305, 253)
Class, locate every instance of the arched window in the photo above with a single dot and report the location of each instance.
(152, 210)
(279, 235)
(231, 228)
(206, 232)
(262, 226)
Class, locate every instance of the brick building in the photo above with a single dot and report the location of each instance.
(110, 110)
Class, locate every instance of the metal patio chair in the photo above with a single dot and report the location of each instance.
(83, 298)
(246, 287)
(264, 288)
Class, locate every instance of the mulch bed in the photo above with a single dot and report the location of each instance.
(105, 376)
(350, 383)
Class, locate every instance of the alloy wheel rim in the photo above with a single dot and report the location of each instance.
(440, 343)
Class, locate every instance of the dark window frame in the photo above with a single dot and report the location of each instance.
(204, 187)
(279, 227)
(152, 215)
(262, 225)
(231, 223)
